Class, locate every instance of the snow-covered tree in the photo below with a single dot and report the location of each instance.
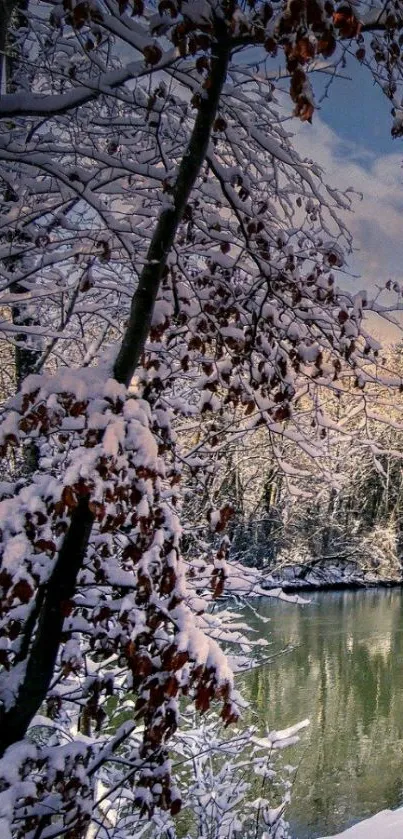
(154, 199)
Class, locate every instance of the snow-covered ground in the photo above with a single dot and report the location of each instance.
(388, 824)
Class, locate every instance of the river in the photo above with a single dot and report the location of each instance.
(344, 670)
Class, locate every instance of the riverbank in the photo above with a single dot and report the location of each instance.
(388, 824)
(325, 575)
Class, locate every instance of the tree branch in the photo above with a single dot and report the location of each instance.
(50, 105)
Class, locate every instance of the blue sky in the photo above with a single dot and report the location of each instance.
(350, 138)
(357, 109)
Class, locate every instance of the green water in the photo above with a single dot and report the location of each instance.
(344, 672)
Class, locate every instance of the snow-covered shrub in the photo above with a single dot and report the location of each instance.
(232, 788)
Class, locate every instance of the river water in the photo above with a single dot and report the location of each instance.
(344, 670)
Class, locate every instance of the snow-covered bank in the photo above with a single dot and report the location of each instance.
(388, 824)
(325, 574)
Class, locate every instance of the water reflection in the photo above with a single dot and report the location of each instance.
(345, 672)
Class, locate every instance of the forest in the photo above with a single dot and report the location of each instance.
(198, 419)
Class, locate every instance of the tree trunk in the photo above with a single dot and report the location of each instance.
(42, 656)
(146, 293)
(26, 355)
(6, 10)
(41, 659)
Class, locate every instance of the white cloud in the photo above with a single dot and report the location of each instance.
(377, 220)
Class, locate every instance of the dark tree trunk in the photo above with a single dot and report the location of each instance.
(46, 636)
